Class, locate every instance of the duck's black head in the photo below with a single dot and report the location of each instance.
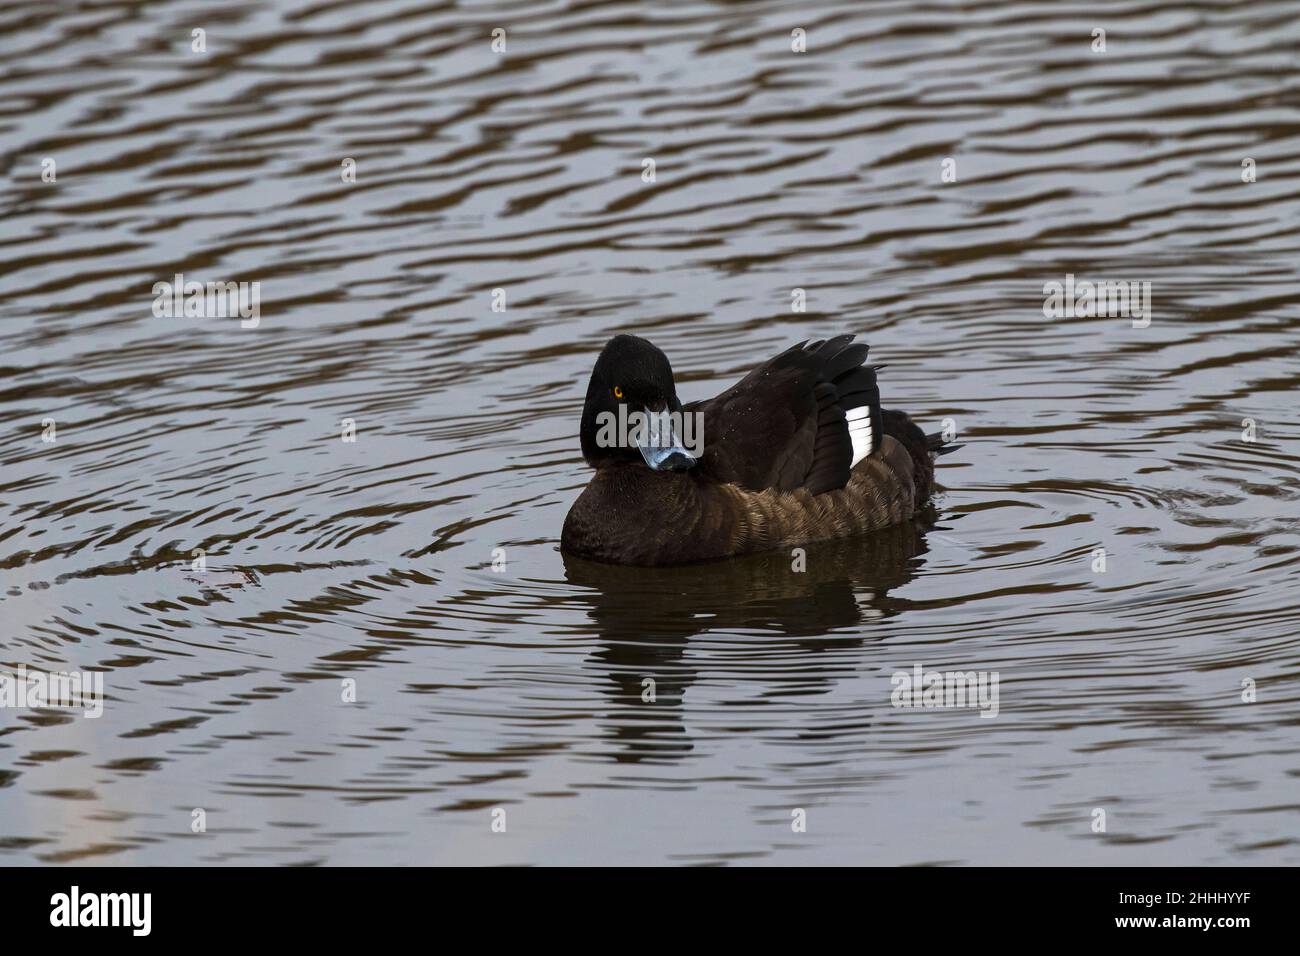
(632, 382)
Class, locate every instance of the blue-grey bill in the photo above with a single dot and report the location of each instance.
(661, 448)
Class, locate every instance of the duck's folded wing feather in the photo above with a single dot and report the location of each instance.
(801, 420)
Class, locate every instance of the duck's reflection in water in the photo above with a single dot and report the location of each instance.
(646, 617)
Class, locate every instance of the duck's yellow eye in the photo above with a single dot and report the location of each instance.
(618, 392)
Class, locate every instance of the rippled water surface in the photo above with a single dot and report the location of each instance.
(521, 688)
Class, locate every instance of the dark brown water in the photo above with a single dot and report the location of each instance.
(521, 688)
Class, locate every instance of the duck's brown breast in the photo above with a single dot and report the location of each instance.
(631, 515)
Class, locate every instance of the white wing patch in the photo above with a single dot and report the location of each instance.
(859, 420)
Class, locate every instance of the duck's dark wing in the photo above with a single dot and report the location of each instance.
(800, 420)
